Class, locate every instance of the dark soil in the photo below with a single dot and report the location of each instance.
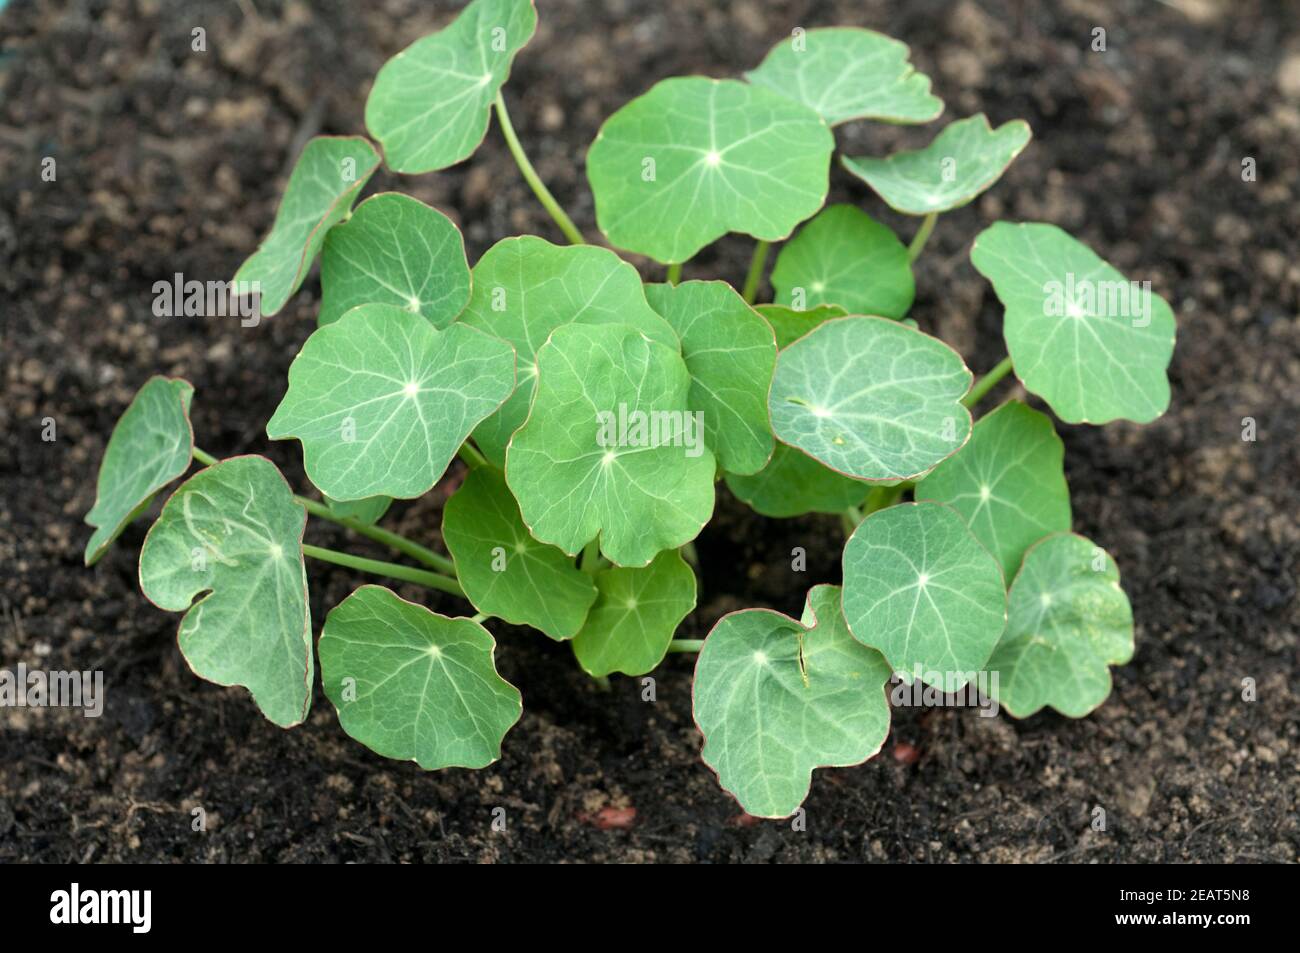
(170, 160)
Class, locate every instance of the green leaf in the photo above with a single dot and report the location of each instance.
(1069, 620)
(962, 161)
(504, 571)
(581, 465)
(731, 353)
(845, 257)
(1008, 483)
(776, 698)
(151, 445)
(635, 616)
(695, 158)
(790, 324)
(414, 685)
(395, 250)
(525, 288)
(924, 591)
(234, 532)
(382, 400)
(871, 398)
(430, 103)
(845, 73)
(368, 511)
(1092, 344)
(326, 180)
(794, 484)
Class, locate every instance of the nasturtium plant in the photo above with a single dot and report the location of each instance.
(586, 415)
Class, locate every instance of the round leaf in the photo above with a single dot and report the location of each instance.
(382, 400)
(325, 181)
(635, 616)
(151, 445)
(1008, 483)
(1069, 620)
(429, 105)
(845, 73)
(611, 448)
(794, 484)
(1092, 344)
(731, 353)
(790, 324)
(695, 158)
(847, 258)
(395, 250)
(414, 685)
(921, 589)
(234, 532)
(775, 699)
(525, 288)
(504, 571)
(871, 398)
(962, 161)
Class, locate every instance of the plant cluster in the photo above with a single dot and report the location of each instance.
(597, 415)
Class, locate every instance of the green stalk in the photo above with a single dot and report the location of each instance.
(674, 273)
(395, 541)
(393, 570)
(533, 179)
(921, 237)
(754, 277)
(591, 561)
(685, 645)
(205, 458)
(471, 455)
(987, 382)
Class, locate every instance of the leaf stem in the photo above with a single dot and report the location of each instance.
(674, 273)
(471, 455)
(532, 178)
(205, 458)
(685, 645)
(591, 561)
(987, 382)
(396, 541)
(921, 237)
(755, 274)
(393, 570)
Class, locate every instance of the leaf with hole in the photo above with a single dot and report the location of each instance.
(845, 257)
(1069, 620)
(1008, 482)
(696, 158)
(923, 590)
(731, 353)
(382, 400)
(635, 616)
(525, 288)
(395, 250)
(324, 183)
(414, 685)
(430, 103)
(611, 447)
(845, 73)
(233, 534)
(962, 161)
(793, 484)
(1091, 343)
(790, 324)
(871, 398)
(505, 571)
(776, 699)
(151, 445)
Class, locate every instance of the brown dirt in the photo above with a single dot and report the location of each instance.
(170, 160)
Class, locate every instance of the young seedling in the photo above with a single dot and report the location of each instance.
(596, 416)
